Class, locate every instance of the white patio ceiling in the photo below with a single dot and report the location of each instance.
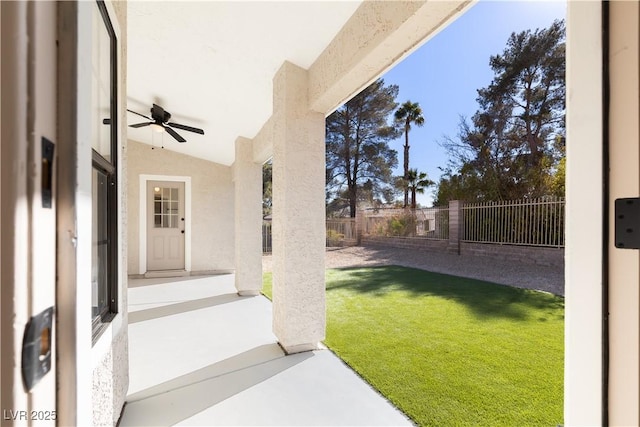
(211, 64)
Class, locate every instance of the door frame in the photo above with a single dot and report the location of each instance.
(623, 265)
(142, 217)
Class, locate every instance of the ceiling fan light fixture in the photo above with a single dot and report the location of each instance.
(157, 128)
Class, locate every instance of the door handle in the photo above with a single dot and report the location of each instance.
(182, 231)
(36, 348)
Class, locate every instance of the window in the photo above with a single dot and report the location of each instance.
(165, 207)
(104, 196)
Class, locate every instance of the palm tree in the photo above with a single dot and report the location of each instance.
(417, 182)
(408, 113)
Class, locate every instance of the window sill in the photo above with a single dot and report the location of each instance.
(100, 324)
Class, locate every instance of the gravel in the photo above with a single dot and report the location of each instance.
(521, 275)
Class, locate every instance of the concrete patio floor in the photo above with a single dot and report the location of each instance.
(201, 355)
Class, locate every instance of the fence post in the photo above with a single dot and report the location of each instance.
(455, 225)
(359, 226)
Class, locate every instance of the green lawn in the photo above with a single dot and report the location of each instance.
(448, 350)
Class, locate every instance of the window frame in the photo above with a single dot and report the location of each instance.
(101, 320)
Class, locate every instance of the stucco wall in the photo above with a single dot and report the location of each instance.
(110, 381)
(212, 227)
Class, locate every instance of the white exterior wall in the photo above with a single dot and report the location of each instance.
(212, 205)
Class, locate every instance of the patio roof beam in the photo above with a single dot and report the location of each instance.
(263, 143)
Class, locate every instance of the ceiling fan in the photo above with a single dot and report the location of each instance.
(159, 120)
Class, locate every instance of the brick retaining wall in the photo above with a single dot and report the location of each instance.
(525, 254)
(406, 243)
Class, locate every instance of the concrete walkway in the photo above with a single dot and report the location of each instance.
(201, 355)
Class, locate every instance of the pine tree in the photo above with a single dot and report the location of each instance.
(359, 160)
(508, 150)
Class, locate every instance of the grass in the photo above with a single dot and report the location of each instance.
(448, 350)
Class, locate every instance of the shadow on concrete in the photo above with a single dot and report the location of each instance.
(176, 400)
(140, 282)
(181, 307)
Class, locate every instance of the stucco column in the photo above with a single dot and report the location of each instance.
(247, 177)
(298, 214)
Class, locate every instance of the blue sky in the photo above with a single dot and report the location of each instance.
(443, 75)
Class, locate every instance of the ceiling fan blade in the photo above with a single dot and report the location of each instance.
(140, 125)
(174, 134)
(187, 128)
(141, 115)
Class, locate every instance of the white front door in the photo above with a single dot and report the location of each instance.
(165, 225)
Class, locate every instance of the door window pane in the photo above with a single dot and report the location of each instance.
(101, 87)
(166, 207)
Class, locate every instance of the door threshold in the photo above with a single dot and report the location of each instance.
(165, 273)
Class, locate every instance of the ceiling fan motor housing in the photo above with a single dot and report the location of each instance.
(159, 114)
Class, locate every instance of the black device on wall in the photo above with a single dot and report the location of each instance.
(627, 223)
